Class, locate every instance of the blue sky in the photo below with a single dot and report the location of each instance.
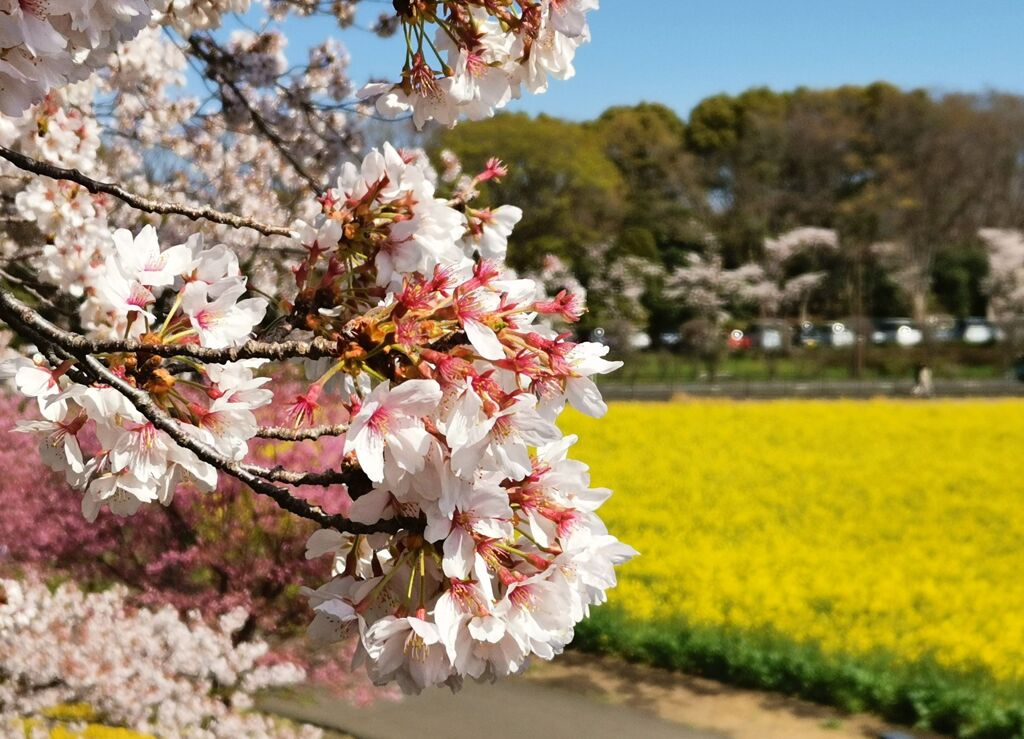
(679, 51)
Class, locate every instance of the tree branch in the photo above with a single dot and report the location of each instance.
(319, 479)
(244, 473)
(196, 45)
(312, 434)
(317, 348)
(137, 201)
(261, 480)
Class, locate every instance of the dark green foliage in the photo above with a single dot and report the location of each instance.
(570, 192)
(957, 276)
(646, 143)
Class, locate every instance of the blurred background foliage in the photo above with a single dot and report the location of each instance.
(875, 163)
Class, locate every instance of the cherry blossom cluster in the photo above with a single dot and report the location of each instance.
(472, 542)
(177, 555)
(555, 275)
(793, 242)
(713, 291)
(193, 15)
(287, 126)
(455, 427)
(617, 291)
(75, 222)
(134, 462)
(451, 386)
(45, 44)
(151, 671)
(795, 289)
(467, 59)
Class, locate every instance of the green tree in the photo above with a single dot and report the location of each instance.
(877, 163)
(666, 207)
(647, 143)
(571, 194)
(957, 277)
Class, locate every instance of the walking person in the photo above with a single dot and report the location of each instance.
(924, 387)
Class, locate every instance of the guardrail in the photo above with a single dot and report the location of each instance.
(810, 389)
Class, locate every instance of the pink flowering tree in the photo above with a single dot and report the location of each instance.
(154, 671)
(790, 259)
(1005, 282)
(714, 294)
(161, 285)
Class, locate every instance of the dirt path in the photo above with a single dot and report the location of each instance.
(706, 704)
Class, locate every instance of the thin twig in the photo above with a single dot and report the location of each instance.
(196, 45)
(298, 479)
(138, 201)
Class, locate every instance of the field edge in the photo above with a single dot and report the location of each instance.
(922, 693)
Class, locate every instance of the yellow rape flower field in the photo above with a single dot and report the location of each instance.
(893, 527)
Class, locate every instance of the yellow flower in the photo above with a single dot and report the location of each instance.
(858, 526)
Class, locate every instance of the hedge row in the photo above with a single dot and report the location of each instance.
(922, 694)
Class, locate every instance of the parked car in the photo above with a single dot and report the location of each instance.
(639, 340)
(943, 329)
(767, 336)
(807, 334)
(738, 340)
(978, 331)
(837, 334)
(897, 331)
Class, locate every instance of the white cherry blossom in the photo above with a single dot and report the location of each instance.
(224, 320)
(390, 419)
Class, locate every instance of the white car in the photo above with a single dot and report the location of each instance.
(898, 331)
(978, 331)
(639, 340)
(839, 335)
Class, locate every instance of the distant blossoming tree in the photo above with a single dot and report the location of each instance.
(156, 327)
(1005, 282)
(714, 294)
(152, 671)
(797, 289)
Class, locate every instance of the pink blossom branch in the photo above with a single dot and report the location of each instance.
(261, 480)
(255, 477)
(138, 201)
(317, 348)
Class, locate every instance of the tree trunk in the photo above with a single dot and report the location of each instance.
(919, 305)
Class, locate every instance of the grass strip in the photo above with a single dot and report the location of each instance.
(922, 693)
